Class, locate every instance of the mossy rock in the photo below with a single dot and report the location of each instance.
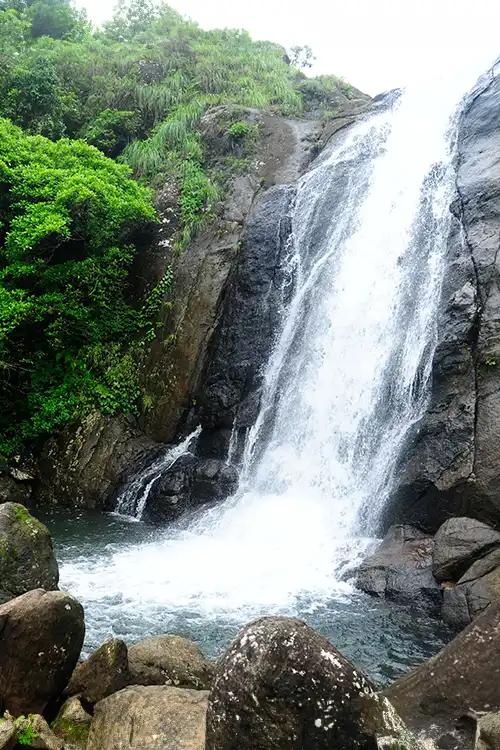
(27, 558)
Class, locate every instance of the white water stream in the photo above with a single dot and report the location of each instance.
(346, 381)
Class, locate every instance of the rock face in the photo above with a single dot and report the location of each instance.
(82, 466)
(458, 543)
(156, 718)
(464, 676)
(401, 569)
(103, 673)
(189, 483)
(452, 467)
(475, 591)
(282, 686)
(169, 660)
(27, 559)
(488, 732)
(41, 635)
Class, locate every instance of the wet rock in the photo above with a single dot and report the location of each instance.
(458, 543)
(82, 465)
(248, 322)
(169, 660)
(401, 569)
(282, 686)
(488, 732)
(103, 673)
(27, 560)
(72, 725)
(452, 467)
(476, 590)
(190, 483)
(41, 635)
(154, 717)
(463, 676)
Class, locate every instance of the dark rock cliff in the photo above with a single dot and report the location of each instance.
(453, 466)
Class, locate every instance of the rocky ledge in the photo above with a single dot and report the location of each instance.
(456, 572)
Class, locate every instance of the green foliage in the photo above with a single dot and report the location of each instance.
(70, 220)
(25, 733)
(112, 130)
(71, 333)
(239, 130)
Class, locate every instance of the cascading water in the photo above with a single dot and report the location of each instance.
(346, 381)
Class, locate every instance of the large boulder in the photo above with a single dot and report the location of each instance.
(458, 543)
(169, 660)
(476, 590)
(463, 677)
(41, 635)
(154, 717)
(401, 568)
(72, 724)
(27, 559)
(283, 686)
(103, 673)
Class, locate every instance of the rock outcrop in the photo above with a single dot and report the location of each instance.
(27, 560)
(41, 635)
(401, 569)
(154, 717)
(452, 467)
(169, 660)
(282, 686)
(458, 543)
(475, 591)
(81, 466)
(463, 677)
(103, 673)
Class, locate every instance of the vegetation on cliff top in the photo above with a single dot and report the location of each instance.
(72, 220)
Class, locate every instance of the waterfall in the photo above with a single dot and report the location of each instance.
(346, 381)
(133, 498)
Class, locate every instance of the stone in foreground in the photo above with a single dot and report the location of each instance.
(463, 677)
(401, 569)
(72, 725)
(27, 559)
(283, 686)
(41, 635)
(150, 717)
(169, 660)
(458, 543)
(103, 673)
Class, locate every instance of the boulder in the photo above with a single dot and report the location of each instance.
(35, 732)
(476, 590)
(283, 686)
(72, 724)
(103, 673)
(153, 717)
(7, 733)
(401, 569)
(12, 491)
(488, 732)
(41, 635)
(27, 559)
(169, 660)
(463, 677)
(458, 543)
